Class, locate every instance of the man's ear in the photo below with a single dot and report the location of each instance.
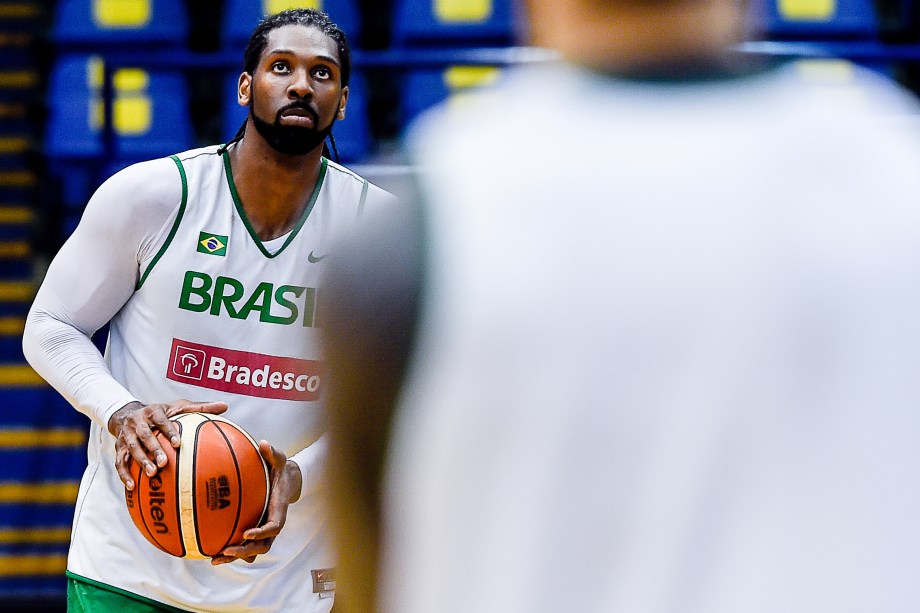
(342, 102)
(244, 89)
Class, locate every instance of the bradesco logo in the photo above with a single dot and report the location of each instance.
(243, 372)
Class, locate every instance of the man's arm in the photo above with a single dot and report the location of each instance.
(91, 278)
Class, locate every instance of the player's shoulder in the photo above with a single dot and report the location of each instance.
(345, 178)
(839, 91)
(151, 187)
(338, 172)
(212, 154)
(161, 176)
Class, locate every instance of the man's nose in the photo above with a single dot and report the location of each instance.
(300, 86)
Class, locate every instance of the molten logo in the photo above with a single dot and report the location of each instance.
(157, 499)
(243, 372)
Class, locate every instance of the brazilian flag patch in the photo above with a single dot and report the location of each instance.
(214, 244)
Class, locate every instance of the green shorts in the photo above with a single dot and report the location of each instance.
(86, 596)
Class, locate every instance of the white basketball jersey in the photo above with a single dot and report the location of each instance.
(668, 360)
(220, 316)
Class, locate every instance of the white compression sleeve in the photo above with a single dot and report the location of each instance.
(92, 276)
(312, 463)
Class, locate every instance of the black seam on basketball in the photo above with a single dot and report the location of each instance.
(195, 483)
(178, 503)
(239, 486)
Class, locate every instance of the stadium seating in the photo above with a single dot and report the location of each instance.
(75, 108)
(451, 22)
(816, 19)
(426, 87)
(42, 456)
(42, 439)
(150, 118)
(448, 24)
(242, 16)
(118, 22)
(149, 109)
(353, 134)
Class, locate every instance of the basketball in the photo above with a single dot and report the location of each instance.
(213, 488)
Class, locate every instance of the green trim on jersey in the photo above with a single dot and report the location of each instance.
(363, 198)
(88, 596)
(175, 227)
(300, 222)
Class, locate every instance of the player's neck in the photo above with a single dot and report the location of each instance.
(273, 188)
(637, 36)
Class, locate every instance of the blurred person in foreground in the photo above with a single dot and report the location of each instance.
(207, 266)
(657, 323)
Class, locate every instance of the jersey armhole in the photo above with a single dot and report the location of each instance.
(175, 226)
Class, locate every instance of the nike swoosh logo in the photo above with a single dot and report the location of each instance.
(313, 259)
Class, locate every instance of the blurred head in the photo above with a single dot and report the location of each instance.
(612, 34)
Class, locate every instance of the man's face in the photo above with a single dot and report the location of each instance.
(295, 93)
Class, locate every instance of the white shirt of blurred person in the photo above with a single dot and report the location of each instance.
(668, 353)
(212, 255)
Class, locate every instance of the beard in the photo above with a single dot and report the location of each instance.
(291, 140)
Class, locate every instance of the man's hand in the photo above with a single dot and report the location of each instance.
(285, 484)
(133, 427)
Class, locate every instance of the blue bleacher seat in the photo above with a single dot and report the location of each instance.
(116, 22)
(74, 89)
(150, 111)
(242, 16)
(816, 19)
(445, 22)
(150, 119)
(151, 114)
(352, 135)
(425, 87)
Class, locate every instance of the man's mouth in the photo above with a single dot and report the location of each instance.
(298, 116)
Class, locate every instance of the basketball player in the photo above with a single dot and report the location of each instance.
(667, 345)
(206, 265)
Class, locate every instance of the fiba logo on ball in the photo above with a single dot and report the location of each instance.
(213, 488)
(219, 492)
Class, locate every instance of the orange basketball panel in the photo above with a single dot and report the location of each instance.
(217, 490)
(253, 475)
(154, 504)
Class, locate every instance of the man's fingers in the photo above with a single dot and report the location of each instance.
(269, 529)
(187, 406)
(246, 550)
(217, 560)
(122, 464)
(273, 457)
(153, 446)
(161, 421)
(138, 452)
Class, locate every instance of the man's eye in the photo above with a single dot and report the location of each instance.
(279, 66)
(322, 73)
